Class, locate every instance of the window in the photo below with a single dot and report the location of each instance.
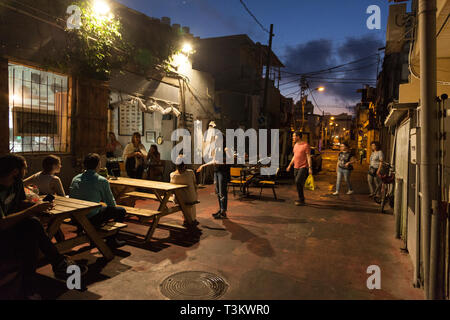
(38, 110)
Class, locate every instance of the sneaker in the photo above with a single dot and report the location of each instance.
(220, 216)
(350, 192)
(217, 213)
(191, 225)
(336, 193)
(115, 243)
(299, 203)
(60, 270)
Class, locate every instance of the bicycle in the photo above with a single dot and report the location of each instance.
(386, 187)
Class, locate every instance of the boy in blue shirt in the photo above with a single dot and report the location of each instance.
(90, 186)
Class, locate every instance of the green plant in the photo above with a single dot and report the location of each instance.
(97, 47)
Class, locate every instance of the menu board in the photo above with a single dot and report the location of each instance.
(130, 120)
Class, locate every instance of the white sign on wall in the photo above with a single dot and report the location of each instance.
(130, 120)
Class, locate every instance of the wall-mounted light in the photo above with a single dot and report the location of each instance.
(101, 8)
(187, 49)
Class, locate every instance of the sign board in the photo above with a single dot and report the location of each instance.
(414, 143)
(131, 120)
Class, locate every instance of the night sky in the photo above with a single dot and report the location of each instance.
(309, 36)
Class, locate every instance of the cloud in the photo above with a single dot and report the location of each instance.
(324, 53)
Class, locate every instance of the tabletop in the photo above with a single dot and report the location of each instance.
(70, 205)
(146, 184)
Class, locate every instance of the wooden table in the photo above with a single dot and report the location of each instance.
(163, 191)
(77, 210)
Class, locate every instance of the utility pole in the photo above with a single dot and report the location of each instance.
(303, 88)
(269, 60)
(429, 147)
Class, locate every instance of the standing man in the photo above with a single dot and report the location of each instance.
(221, 179)
(302, 163)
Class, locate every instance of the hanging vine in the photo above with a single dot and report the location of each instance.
(97, 46)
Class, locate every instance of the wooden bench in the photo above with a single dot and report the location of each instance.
(142, 214)
(144, 196)
(110, 229)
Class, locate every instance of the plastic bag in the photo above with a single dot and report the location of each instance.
(32, 194)
(309, 184)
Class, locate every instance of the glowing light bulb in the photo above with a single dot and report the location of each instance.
(101, 8)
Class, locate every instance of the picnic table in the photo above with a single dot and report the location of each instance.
(68, 208)
(126, 189)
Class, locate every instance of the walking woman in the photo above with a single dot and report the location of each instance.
(134, 156)
(376, 160)
(344, 168)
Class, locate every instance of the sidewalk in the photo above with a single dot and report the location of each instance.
(269, 249)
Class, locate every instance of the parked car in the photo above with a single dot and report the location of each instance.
(316, 156)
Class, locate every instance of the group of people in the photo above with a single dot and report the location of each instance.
(22, 235)
(136, 158)
(302, 163)
(344, 168)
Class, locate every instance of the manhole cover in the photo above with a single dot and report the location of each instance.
(193, 285)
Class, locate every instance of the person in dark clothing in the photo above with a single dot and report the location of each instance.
(221, 179)
(22, 235)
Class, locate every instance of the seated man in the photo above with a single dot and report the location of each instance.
(90, 186)
(21, 232)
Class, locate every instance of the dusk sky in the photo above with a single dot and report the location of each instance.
(309, 36)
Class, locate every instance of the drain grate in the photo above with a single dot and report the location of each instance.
(193, 285)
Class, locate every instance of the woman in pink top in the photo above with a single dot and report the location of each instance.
(302, 163)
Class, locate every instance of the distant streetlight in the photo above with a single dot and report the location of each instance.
(321, 89)
(101, 8)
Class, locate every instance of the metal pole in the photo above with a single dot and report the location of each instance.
(429, 132)
(269, 60)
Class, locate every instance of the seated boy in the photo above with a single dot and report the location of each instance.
(90, 186)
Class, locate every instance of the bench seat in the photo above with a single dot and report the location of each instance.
(145, 214)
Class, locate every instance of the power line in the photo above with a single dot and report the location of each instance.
(253, 16)
(332, 68)
(314, 99)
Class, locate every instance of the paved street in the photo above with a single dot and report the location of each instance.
(267, 250)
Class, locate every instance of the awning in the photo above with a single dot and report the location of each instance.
(398, 110)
